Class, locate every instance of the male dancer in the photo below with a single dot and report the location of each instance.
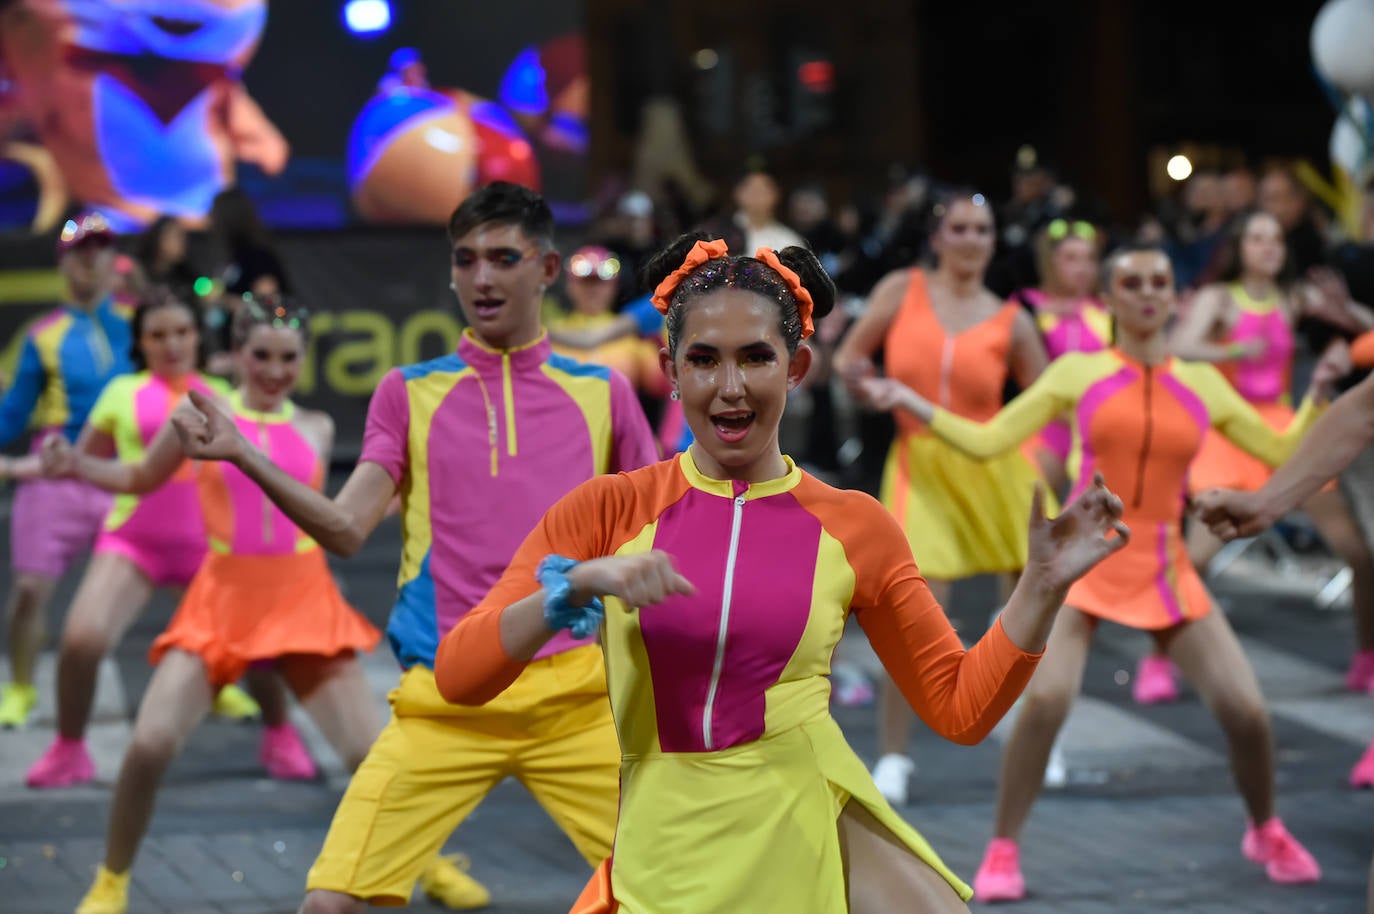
(479, 444)
(67, 357)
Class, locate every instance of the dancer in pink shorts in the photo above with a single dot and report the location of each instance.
(67, 358)
(149, 541)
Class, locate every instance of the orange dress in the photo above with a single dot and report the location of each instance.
(963, 515)
(1140, 426)
(264, 590)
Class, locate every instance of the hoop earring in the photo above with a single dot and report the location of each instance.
(675, 396)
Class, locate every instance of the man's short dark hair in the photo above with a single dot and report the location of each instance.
(504, 204)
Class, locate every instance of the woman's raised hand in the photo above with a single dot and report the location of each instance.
(1063, 549)
(206, 433)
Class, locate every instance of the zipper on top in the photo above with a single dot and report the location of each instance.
(726, 595)
(1146, 440)
(508, 396)
(264, 445)
(491, 420)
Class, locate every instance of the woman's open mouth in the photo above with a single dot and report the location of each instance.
(733, 426)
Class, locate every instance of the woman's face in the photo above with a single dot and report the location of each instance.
(964, 239)
(270, 361)
(733, 374)
(1074, 262)
(171, 244)
(169, 341)
(1141, 296)
(591, 294)
(1262, 246)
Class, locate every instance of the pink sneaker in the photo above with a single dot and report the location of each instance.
(1362, 775)
(284, 755)
(1154, 681)
(1285, 860)
(999, 878)
(1360, 676)
(65, 764)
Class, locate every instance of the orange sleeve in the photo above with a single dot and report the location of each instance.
(1362, 350)
(471, 667)
(961, 694)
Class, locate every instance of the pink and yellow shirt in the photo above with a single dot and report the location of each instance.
(481, 443)
(131, 410)
(239, 519)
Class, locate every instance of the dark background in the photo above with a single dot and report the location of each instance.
(958, 87)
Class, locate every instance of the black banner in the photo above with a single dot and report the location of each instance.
(377, 299)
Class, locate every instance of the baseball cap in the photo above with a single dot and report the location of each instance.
(84, 228)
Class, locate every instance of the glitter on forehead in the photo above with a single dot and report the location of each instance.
(744, 273)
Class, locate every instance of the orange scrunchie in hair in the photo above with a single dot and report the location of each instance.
(700, 253)
(805, 304)
(704, 251)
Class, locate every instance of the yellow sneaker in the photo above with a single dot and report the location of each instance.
(446, 881)
(236, 704)
(16, 704)
(109, 895)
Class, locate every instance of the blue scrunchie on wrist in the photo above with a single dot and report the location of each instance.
(581, 621)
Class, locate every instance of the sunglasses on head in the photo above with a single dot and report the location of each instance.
(1060, 229)
(501, 258)
(584, 267)
(1134, 283)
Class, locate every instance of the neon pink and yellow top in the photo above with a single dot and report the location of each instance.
(131, 410)
(1264, 381)
(480, 444)
(1086, 328)
(265, 590)
(1140, 426)
(963, 516)
(734, 772)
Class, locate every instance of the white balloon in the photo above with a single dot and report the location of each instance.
(1348, 147)
(1343, 45)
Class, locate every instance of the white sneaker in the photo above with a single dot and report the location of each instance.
(1057, 771)
(891, 775)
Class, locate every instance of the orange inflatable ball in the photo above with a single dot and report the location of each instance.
(1362, 350)
(414, 154)
(504, 154)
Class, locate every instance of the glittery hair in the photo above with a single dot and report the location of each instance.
(747, 274)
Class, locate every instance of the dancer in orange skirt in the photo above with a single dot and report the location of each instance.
(264, 594)
(1244, 324)
(1138, 418)
(946, 335)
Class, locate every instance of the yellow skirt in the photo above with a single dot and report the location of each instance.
(753, 828)
(962, 516)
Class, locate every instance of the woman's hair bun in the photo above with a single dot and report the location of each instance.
(813, 278)
(660, 266)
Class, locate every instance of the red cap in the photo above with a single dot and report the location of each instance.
(82, 228)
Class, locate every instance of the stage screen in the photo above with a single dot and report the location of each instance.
(328, 114)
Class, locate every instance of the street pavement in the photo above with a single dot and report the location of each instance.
(1148, 821)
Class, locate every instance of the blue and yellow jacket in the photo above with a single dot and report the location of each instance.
(67, 358)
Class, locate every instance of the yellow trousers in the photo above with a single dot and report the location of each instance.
(434, 762)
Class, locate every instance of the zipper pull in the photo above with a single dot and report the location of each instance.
(739, 501)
